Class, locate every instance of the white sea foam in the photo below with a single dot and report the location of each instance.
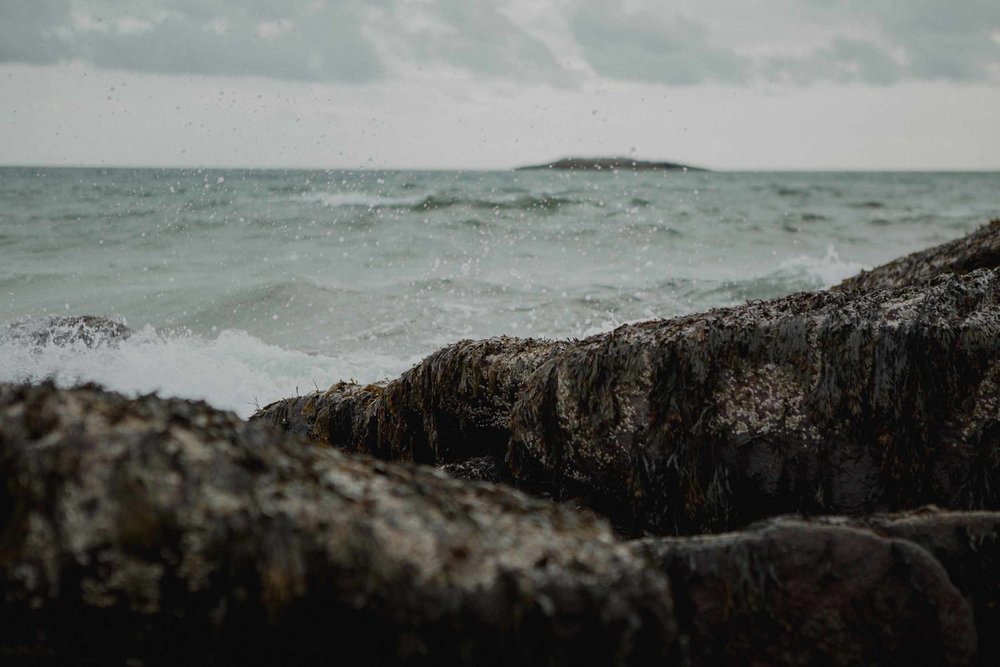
(233, 371)
(818, 272)
(338, 199)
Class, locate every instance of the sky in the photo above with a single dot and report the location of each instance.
(454, 84)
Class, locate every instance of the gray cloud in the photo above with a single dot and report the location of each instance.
(843, 60)
(27, 30)
(647, 47)
(474, 35)
(312, 40)
(942, 40)
(684, 42)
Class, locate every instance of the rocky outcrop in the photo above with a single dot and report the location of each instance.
(610, 163)
(979, 250)
(824, 403)
(798, 593)
(165, 532)
(451, 407)
(155, 531)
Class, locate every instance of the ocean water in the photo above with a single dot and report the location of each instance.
(245, 286)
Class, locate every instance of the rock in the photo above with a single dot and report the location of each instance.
(86, 330)
(979, 250)
(823, 403)
(795, 593)
(967, 544)
(479, 469)
(155, 531)
(610, 163)
(451, 407)
(838, 402)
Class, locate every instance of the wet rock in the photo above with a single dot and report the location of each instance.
(967, 544)
(165, 532)
(65, 331)
(479, 469)
(795, 593)
(979, 250)
(822, 403)
(453, 406)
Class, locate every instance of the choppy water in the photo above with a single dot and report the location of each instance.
(246, 286)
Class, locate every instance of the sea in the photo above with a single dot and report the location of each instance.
(245, 286)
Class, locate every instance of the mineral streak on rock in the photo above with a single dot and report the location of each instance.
(979, 250)
(795, 593)
(843, 402)
(166, 532)
(453, 406)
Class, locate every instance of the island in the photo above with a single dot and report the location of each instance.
(612, 163)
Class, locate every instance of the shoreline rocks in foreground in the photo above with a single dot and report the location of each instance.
(156, 531)
(166, 531)
(161, 531)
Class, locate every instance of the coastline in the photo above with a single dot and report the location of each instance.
(857, 408)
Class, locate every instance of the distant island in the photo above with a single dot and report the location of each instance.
(601, 163)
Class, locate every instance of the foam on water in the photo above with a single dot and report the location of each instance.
(233, 370)
(338, 199)
(817, 273)
(255, 283)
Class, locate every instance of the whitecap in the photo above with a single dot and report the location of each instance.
(232, 370)
(344, 199)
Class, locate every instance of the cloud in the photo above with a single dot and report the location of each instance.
(474, 36)
(312, 40)
(942, 40)
(843, 60)
(647, 47)
(684, 42)
(28, 30)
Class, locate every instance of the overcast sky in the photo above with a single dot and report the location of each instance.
(746, 84)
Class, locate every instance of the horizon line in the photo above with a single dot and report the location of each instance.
(694, 169)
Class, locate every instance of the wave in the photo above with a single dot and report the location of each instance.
(519, 202)
(817, 272)
(231, 370)
(362, 199)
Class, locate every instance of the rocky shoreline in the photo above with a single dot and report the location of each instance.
(808, 480)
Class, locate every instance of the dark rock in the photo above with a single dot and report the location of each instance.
(610, 163)
(453, 406)
(967, 544)
(979, 250)
(795, 593)
(478, 469)
(64, 331)
(165, 532)
(823, 403)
